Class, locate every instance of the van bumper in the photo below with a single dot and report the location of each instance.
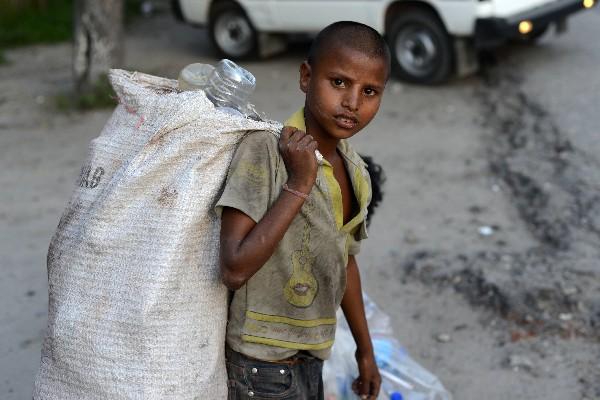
(493, 32)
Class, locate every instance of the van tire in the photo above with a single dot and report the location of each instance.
(231, 31)
(421, 48)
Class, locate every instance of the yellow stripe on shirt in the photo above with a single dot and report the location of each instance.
(310, 323)
(287, 345)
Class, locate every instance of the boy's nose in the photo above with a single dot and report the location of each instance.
(351, 100)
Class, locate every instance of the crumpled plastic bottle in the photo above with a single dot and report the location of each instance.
(230, 86)
(227, 85)
(401, 374)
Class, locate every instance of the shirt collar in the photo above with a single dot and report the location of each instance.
(297, 120)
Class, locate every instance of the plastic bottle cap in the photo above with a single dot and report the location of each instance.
(194, 76)
(396, 396)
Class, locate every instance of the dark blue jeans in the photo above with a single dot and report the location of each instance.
(297, 379)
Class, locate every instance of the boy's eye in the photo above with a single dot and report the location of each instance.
(370, 92)
(337, 82)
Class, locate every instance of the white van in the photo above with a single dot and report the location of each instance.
(429, 39)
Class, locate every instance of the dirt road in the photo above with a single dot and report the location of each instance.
(484, 250)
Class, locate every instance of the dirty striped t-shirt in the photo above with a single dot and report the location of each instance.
(291, 302)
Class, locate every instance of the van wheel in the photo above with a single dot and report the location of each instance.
(231, 32)
(421, 48)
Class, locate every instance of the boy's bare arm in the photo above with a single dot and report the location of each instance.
(368, 383)
(246, 245)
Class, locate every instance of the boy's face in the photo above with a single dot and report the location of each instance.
(343, 90)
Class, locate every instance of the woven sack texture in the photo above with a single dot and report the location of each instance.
(136, 306)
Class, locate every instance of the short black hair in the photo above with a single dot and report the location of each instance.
(352, 35)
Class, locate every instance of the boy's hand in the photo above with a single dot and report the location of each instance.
(298, 152)
(369, 381)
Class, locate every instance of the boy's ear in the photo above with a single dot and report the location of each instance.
(305, 73)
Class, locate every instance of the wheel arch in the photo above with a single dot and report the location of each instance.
(237, 3)
(403, 5)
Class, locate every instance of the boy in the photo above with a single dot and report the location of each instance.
(291, 227)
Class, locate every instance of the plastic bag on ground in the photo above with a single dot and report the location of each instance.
(402, 377)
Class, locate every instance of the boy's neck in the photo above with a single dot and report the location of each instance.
(327, 145)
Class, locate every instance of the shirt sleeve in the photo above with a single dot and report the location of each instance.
(251, 175)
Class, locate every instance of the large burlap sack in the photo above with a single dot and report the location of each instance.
(136, 306)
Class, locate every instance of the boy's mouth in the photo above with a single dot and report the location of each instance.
(345, 121)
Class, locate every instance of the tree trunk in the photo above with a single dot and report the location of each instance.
(97, 40)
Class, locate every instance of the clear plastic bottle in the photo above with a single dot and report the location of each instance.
(227, 85)
(230, 86)
(402, 377)
(401, 374)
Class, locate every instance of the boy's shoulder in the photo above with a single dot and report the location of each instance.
(260, 139)
(259, 144)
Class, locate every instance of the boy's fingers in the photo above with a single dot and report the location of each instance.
(288, 130)
(356, 386)
(363, 389)
(305, 141)
(286, 133)
(367, 390)
(374, 389)
(297, 136)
